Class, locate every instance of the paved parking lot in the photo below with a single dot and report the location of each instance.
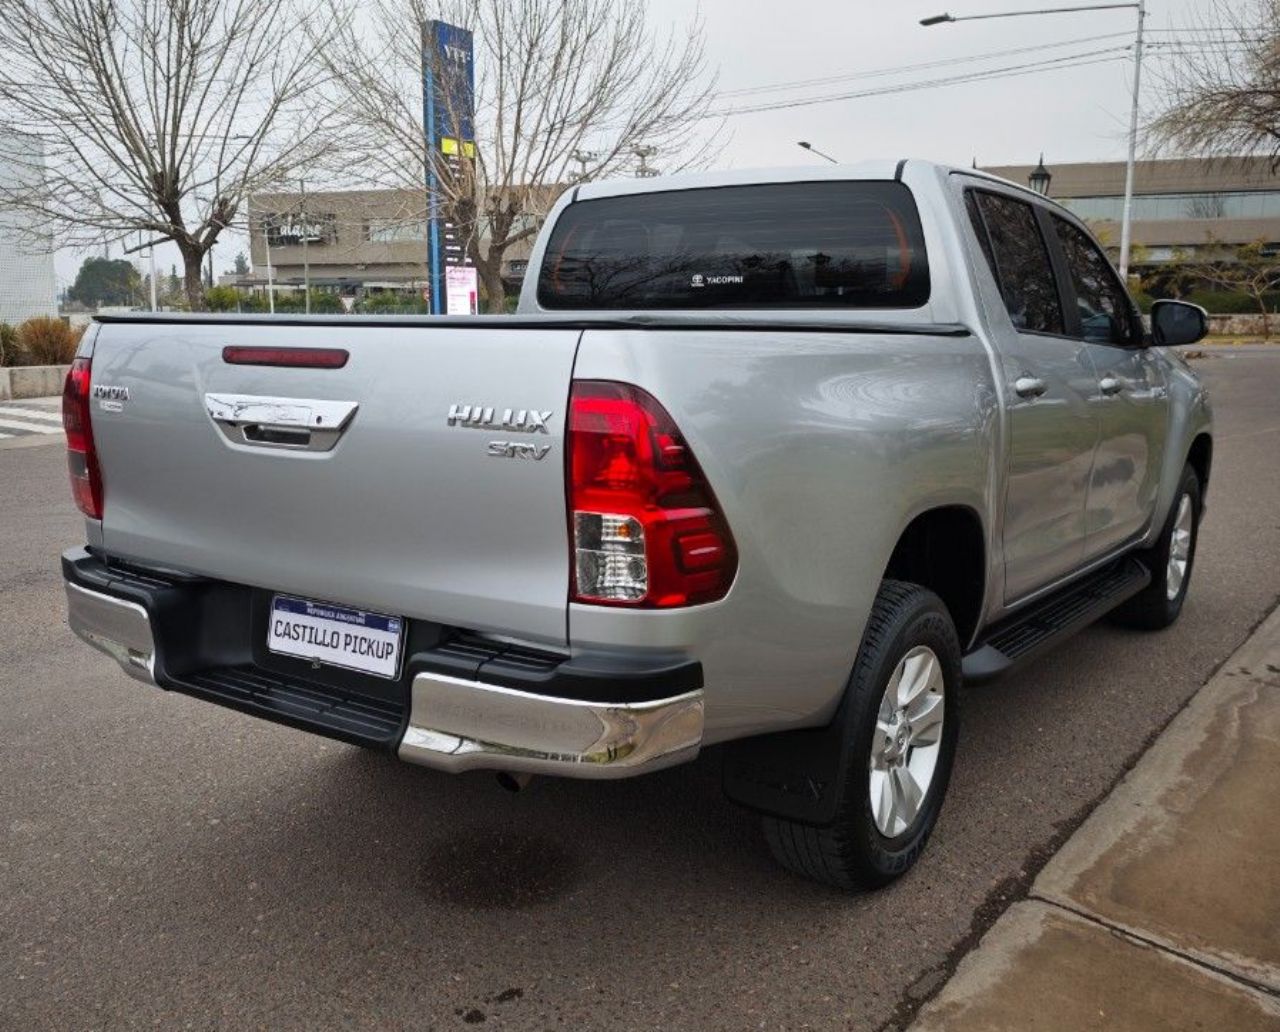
(167, 863)
(30, 417)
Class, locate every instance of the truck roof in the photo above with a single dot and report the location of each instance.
(875, 168)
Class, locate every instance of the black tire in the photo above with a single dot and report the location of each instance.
(1152, 609)
(851, 852)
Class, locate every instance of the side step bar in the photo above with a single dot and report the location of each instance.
(1046, 623)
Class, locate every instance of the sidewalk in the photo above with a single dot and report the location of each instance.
(1163, 910)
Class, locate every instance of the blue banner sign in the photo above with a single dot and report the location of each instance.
(448, 96)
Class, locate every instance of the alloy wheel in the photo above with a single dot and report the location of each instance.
(1179, 548)
(907, 741)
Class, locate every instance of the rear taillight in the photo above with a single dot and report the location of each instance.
(646, 529)
(82, 458)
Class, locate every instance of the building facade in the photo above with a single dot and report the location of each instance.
(352, 242)
(1180, 205)
(28, 285)
(348, 241)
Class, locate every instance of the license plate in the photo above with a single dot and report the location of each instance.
(325, 633)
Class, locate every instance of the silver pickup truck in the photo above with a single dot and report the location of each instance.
(778, 460)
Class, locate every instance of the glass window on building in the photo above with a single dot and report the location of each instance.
(1219, 204)
(395, 231)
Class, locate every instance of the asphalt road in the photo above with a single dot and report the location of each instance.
(165, 863)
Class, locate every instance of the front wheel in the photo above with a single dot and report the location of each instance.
(1170, 561)
(901, 714)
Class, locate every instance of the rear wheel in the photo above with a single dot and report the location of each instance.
(902, 713)
(1170, 561)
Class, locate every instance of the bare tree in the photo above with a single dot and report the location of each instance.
(1252, 269)
(157, 117)
(1249, 269)
(1222, 91)
(565, 90)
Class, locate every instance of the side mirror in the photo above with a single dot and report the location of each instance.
(1177, 322)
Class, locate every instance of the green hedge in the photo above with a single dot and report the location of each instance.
(1217, 302)
(9, 345)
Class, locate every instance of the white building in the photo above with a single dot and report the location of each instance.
(28, 285)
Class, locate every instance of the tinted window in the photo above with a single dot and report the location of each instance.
(1102, 302)
(1020, 261)
(790, 245)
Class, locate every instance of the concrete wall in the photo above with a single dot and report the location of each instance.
(1241, 325)
(31, 381)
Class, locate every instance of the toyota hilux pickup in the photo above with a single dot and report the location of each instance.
(775, 461)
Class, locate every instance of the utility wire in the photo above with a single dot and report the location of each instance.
(1070, 61)
(941, 63)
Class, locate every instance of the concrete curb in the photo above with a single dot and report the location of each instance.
(1163, 909)
(31, 381)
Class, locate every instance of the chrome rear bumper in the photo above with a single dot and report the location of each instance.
(120, 628)
(455, 723)
(458, 725)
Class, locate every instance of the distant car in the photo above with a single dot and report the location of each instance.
(772, 459)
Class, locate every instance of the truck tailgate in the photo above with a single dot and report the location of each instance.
(395, 507)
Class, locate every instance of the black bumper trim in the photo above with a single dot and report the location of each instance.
(209, 639)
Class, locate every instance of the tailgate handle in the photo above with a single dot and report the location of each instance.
(281, 436)
(293, 424)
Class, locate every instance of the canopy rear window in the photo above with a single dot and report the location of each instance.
(785, 245)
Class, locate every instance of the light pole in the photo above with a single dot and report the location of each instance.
(644, 152)
(271, 288)
(583, 158)
(814, 150)
(306, 232)
(1141, 7)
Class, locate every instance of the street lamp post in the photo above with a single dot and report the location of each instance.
(814, 150)
(1141, 7)
(271, 287)
(1040, 178)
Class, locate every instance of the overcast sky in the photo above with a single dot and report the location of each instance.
(1070, 113)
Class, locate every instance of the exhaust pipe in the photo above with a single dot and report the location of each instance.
(514, 780)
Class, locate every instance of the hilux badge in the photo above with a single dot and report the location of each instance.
(484, 417)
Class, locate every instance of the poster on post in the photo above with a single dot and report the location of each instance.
(461, 290)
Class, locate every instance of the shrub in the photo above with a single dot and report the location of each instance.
(47, 340)
(1230, 302)
(322, 302)
(9, 354)
(222, 299)
(387, 302)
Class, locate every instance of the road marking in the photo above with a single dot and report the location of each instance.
(31, 428)
(1249, 433)
(26, 413)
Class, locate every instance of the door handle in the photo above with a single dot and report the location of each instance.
(1029, 386)
(1110, 385)
(301, 424)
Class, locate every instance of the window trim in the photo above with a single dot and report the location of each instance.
(1067, 296)
(1049, 245)
(1071, 298)
(1044, 213)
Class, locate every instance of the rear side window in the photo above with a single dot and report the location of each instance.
(1103, 304)
(1019, 259)
(785, 245)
